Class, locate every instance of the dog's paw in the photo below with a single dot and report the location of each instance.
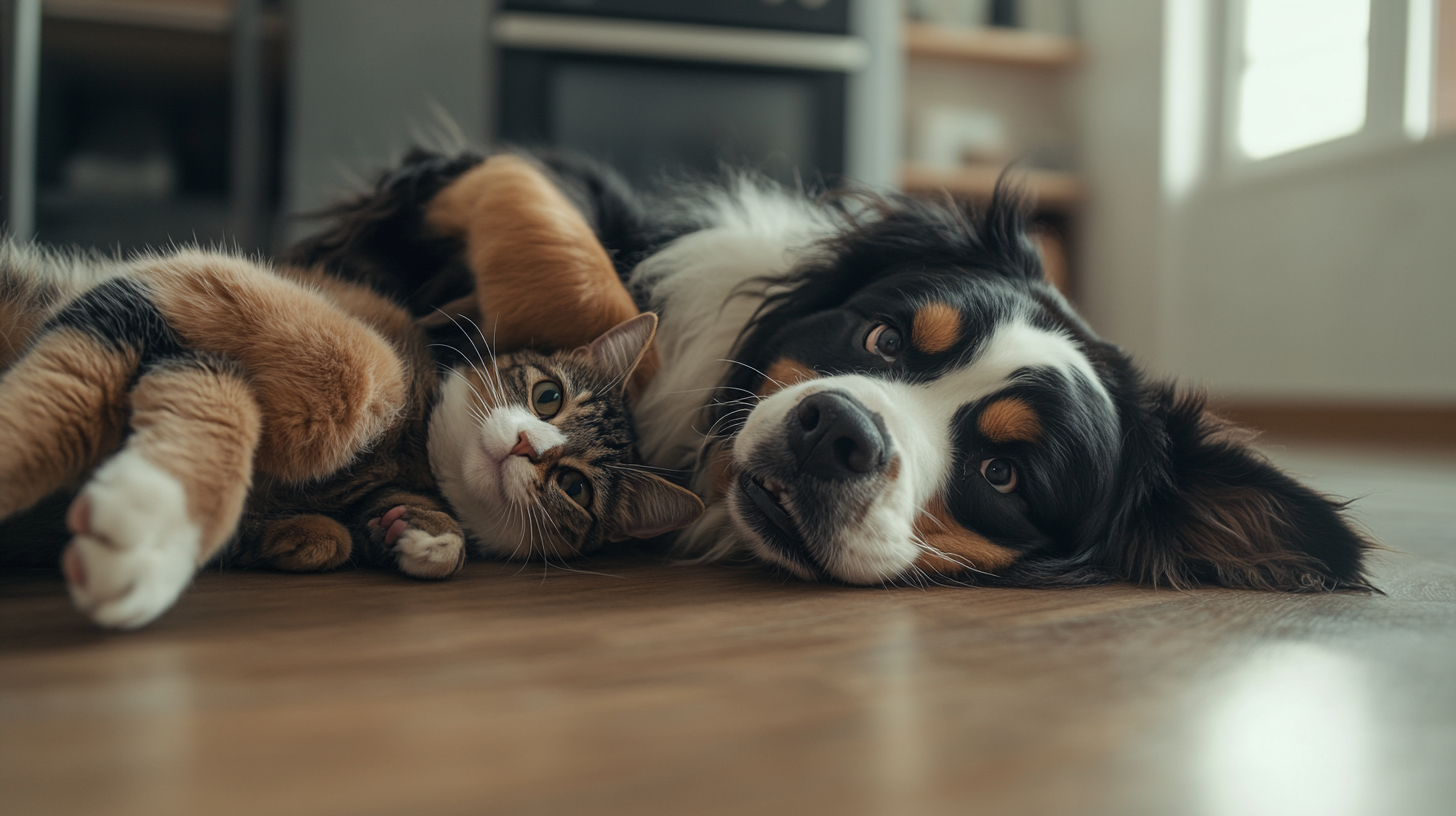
(134, 547)
(426, 543)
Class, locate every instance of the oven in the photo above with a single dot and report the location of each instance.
(794, 88)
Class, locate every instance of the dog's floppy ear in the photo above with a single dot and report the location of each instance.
(1202, 506)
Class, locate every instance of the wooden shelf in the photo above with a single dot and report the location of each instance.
(196, 16)
(213, 16)
(1052, 190)
(997, 46)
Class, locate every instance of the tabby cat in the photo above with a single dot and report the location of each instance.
(196, 397)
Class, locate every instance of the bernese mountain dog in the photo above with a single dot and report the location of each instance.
(878, 390)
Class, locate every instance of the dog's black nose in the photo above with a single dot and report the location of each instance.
(834, 437)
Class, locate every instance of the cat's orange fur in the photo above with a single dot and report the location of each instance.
(325, 381)
(541, 278)
(57, 440)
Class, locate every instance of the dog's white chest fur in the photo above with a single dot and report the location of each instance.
(703, 287)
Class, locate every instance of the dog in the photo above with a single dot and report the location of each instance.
(878, 390)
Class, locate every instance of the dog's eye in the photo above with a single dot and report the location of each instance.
(1000, 473)
(546, 398)
(885, 341)
(576, 488)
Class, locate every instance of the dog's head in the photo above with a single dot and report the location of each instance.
(925, 404)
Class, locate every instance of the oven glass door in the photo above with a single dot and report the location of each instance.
(648, 118)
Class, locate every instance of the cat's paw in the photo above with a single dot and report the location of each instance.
(134, 546)
(307, 543)
(426, 543)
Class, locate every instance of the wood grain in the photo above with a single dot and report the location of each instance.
(1407, 426)
(642, 687)
(995, 46)
(1049, 189)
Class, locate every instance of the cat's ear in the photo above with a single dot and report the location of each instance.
(651, 506)
(622, 347)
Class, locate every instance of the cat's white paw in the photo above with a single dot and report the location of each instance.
(423, 555)
(134, 547)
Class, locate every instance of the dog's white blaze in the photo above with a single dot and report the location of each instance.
(698, 289)
(918, 417)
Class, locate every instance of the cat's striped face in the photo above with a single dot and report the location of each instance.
(536, 452)
(536, 443)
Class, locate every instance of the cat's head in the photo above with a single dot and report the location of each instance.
(537, 454)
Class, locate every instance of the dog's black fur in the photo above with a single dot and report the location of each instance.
(1145, 485)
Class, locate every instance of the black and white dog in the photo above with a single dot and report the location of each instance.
(875, 390)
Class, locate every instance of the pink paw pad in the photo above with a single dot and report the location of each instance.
(393, 523)
(78, 517)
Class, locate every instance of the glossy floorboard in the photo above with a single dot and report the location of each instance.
(653, 688)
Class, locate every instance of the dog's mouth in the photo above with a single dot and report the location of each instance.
(774, 524)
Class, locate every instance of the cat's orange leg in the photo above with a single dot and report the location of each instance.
(327, 383)
(542, 279)
(62, 408)
(169, 500)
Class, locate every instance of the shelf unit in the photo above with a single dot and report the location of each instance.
(996, 46)
(1052, 190)
(207, 76)
(1019, 74)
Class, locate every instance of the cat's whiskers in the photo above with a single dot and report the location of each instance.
(494, 385)
(643, 468)
(469, 338)
(712, 432)
(485, 380)
(754, 394)
(781, 385)
(546, 514)
(490, 349)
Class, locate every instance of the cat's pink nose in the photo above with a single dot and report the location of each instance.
(524, 448)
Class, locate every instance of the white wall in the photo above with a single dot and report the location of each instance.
(1117, 101)
(1329, 283)
(1333, 281)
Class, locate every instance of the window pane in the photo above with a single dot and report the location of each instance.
(1305, 73)
(1274, 28)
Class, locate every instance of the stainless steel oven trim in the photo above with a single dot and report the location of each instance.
(695, 43)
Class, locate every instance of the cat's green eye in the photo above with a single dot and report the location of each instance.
(576, 488)
(546, 398)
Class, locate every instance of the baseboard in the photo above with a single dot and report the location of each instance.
(1406, 426)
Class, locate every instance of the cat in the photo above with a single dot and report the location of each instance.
(196, 394)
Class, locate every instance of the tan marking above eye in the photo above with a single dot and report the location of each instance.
(1010, 420)
(951, 549)
(937, 328)
(784, 373)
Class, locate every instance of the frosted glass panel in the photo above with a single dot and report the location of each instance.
(1305, 73)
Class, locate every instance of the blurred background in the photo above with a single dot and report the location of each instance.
(1254, 195)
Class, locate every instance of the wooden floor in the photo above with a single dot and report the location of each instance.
(660, 689)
